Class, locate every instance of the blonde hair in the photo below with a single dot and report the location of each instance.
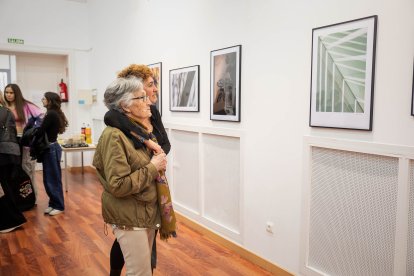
(137, 70)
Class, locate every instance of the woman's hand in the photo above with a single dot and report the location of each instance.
(153, 146)
(159, 161)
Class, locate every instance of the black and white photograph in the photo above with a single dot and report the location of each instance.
(156, 69)
(412, 95)
(225, 84)
(343, 69)
(185, 89)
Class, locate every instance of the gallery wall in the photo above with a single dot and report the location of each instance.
(276, 61)
(275, 86)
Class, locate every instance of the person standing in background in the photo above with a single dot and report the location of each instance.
(10, 216)
(22, 110)
(54, 123)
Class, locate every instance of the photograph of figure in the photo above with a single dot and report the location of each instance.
(225, 84)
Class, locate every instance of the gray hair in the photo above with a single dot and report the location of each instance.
(119, 92)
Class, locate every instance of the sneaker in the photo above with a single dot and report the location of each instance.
(55, 212)
(10, 229)
(48, 210)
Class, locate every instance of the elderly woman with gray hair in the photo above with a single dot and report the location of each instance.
(135, 199)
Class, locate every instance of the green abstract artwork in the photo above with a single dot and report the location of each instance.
(341, 71)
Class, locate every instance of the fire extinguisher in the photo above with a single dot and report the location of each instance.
(63, 91)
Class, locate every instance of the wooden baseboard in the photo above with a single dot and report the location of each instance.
(250, 256)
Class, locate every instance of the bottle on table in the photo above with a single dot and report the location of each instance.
(88, 134)
(83, 135)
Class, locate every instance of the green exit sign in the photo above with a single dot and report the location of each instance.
(15, 40)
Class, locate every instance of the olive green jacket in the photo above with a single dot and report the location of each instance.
(129, 195)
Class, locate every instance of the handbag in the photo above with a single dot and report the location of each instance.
(22, 188)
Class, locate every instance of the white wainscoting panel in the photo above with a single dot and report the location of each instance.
(222, 180)
(204, 173)
(185, 169)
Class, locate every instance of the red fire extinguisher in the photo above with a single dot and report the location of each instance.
(63, 91)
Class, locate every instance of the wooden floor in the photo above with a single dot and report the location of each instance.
(74, 243)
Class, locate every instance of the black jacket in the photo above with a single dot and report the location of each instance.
(39, 143)
(159, 130)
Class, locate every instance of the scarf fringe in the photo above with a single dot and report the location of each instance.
(164, 236)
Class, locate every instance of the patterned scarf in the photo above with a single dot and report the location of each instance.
(135, 131)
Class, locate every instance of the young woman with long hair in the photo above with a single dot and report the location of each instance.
(54, 123)
(22, 110)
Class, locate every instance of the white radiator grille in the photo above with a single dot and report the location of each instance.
(352, 213)
(410, 253)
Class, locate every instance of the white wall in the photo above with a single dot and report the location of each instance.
(276, 61)
(45, 23)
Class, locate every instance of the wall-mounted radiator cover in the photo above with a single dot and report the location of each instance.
(352, 219)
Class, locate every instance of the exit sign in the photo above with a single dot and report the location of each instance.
(15, 40)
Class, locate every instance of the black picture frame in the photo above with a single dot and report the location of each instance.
(156, 69)
(185, 89)
(412, 94)
(343, 74)
(225, 84)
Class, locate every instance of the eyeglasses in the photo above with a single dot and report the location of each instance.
(143, 98)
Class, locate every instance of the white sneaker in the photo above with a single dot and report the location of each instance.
(48, 210)
(10, 229)
(55, 212)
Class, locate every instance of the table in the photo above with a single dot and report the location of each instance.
(78, 149)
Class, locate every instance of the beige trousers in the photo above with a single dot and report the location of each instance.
(136, 247)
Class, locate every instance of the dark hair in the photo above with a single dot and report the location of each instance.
(54, 103)
(19, 100)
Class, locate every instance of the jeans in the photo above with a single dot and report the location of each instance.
(52, 176)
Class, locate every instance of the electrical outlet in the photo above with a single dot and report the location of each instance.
(269, 227)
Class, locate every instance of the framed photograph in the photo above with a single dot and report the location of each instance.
(185, 89)
(412, 95)
(156, 69)
(342, 80)
(225, 72)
